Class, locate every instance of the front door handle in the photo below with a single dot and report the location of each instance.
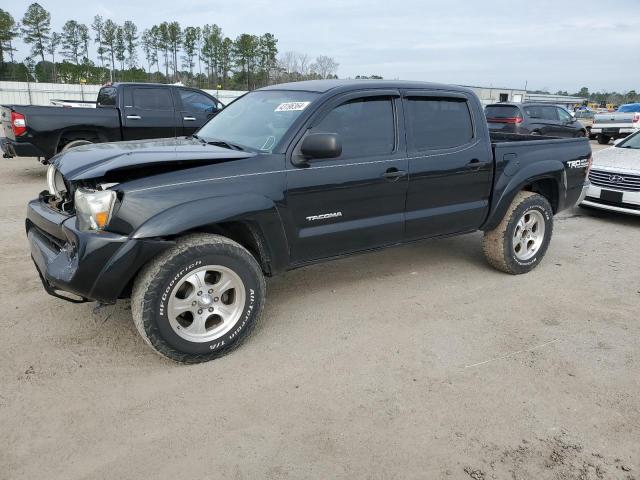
(394, 174)
(134, 117)
(475, 164)
(189, 119)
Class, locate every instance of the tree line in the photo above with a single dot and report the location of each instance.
(194, 55)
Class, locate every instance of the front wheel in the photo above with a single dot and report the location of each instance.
(518, 244)
(199, 300)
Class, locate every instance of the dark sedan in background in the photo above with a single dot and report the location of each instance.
(534, 119)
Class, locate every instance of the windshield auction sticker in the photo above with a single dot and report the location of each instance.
(291, 106)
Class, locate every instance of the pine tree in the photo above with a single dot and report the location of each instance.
(36, 26)
(52, 47)
(8, 31)
(98, 27)
(131, 41)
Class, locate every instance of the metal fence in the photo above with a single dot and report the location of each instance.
(30, 93)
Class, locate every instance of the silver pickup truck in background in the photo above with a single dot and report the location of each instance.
(618, 124)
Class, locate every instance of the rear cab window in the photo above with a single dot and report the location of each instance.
(435, 123)
(107, 97)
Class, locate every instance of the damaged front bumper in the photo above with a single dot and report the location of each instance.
(91, 265)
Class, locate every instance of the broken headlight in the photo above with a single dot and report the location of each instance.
(94, 208)
(55, 182)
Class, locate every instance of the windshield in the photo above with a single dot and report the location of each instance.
(258, 120)
(630, 142)
(631, 107)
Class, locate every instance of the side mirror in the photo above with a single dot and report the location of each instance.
(321, 145)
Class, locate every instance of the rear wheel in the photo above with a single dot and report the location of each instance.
(75, 143)
(518, 244)
(199, 300)
(603, 139)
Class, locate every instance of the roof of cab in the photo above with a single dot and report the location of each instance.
(323, 86)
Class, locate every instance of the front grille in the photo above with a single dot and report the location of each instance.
(616, 181)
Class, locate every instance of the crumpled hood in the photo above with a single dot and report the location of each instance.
(95, 161)
(617, 158)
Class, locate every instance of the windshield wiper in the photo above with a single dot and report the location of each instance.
(198, 138)
(221, 143)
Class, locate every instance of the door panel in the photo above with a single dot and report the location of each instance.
(148, 113)
(196, 109)
(450, 169)
(355, 202)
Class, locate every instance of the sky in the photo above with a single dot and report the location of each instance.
(546, 44)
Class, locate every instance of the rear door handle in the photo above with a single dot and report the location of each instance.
(394, 174)
(134, 117)
(189, 119)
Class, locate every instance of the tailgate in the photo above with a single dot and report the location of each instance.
(5, 119)
(613, 118)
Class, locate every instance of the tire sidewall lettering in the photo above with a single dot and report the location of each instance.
(543, 247)
(167, 291)
(252, 306)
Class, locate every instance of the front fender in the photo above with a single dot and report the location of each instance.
(507, 186)
(253, 209)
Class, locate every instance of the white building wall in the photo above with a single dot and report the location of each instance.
(489, 95)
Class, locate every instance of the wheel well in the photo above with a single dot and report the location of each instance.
(546, 187)
(71, 135)
(246, 234)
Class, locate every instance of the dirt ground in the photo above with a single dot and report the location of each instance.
(417, 362)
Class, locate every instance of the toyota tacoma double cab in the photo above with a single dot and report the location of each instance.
(124, 111)
(286, 176)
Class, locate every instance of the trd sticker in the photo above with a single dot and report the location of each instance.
(291, 106)
(578, 163)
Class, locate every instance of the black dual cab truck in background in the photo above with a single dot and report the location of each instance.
(286, 176)
(124, 111)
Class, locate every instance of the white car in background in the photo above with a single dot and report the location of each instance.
(615, 177)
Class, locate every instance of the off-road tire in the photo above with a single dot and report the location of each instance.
(75, 143)
(497, 244)
(603, 139)
(154, 283)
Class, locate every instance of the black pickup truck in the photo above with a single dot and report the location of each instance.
(124, 111)
(283, 177)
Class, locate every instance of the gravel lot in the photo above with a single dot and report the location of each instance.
(414, 362)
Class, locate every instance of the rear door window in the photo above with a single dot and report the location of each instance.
(437, 123)
(550, 113)
(365, 126)
(152, 98)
